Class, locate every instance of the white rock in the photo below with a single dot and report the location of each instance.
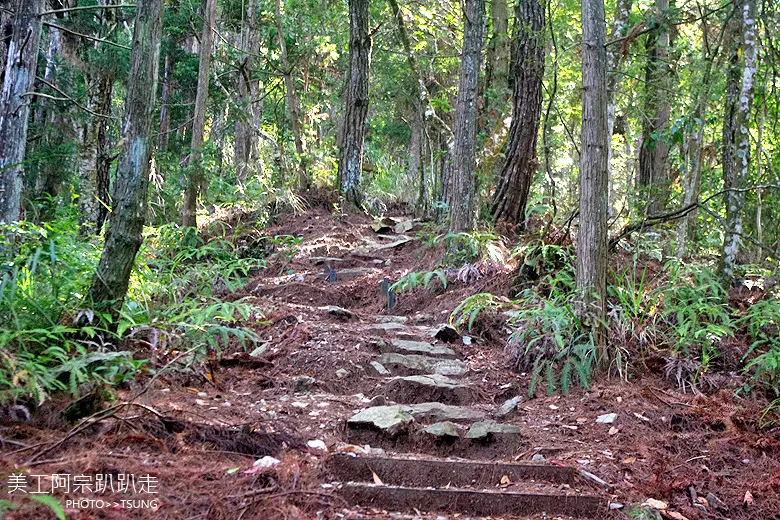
(607, 418)
(266, 462)
(317, 445)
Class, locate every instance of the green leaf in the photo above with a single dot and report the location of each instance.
(52, 503)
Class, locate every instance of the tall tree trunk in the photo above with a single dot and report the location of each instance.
(165, 93)
(95, 162)
(736, 174)
(461, 191)
(196, 178)
(416, 167)
(693, 147)
(20, 66)
(614, 61)
(246, 121)
(294, 101)
(654, 154)
(125, 227)
(522, 161)
(353, 125)
(591, 277)
(6, 31)
(497, 63)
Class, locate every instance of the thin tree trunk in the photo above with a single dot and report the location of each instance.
(196, 178)
(522, 162)
(353, 126)
(20, 66)
(654, 154)
(416, 167)
(6, 31)
(165, 112)
(125, 228)
(614, 61)
(246, 137)
(735, 198)
(293, 101)
(461, 191)
(591, 277)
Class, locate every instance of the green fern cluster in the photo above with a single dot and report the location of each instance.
(417, 279)
(467, 312)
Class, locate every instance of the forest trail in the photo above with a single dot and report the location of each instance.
(426, 432)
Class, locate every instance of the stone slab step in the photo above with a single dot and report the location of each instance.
(393, 419)
(441, 473)
(469, 502)
(411, 364)
(429, 387)
(423, 348)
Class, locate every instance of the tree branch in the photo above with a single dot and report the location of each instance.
(86, 36)
(86, 7)
(66, 97)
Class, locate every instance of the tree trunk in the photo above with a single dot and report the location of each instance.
(6, 31)
(196, 178)
(21, 62)
(125, 227)
(497, 63)
(522, 161)
(353, 126)
(293, 100)
(591, 277)
(246, 136)
(95, 162)
(416, 169)
(654, 154)
(693, 148)
(165, 93)
(460, 193)
(736, 174)
(615, 54)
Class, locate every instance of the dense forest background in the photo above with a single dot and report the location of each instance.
(624, 164)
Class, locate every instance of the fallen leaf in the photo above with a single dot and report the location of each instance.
(673, 515)
(377, 480)
(629, 460)
(613, 430)
(553, 407)
(702, 501)
(642, 417)
(231, 471)
(505, 480)
(748, 500)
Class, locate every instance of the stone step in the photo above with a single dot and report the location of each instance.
(429, 472)
(411, 364)
(394, 419)
(429, 387)
(405, 346)
(469, 502)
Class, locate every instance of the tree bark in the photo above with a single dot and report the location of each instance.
(497, 63)
(736, 174)
(522, 162)
(460, 193)
(591, 277)
(246, 121)
(165, 93)
(125, 227)
(353, 126)
(6, 31)
(20, 66)
(293, 101)
(654, 153)
(196, 178)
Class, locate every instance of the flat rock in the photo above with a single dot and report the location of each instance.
(509, 406)
(414, 363)
(380, 369)
(427, 388)
(442, 412)
(391, 419)
(442, 429)
(355, 272)
(383, 318)
(483, 429)
(391, 325)
(339, 312)
(405, 346)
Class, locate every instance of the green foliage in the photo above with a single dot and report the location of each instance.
(469, 247)
(414, 279)
(551, 264)
(469, 309)
(550, 342)
(762, 321)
